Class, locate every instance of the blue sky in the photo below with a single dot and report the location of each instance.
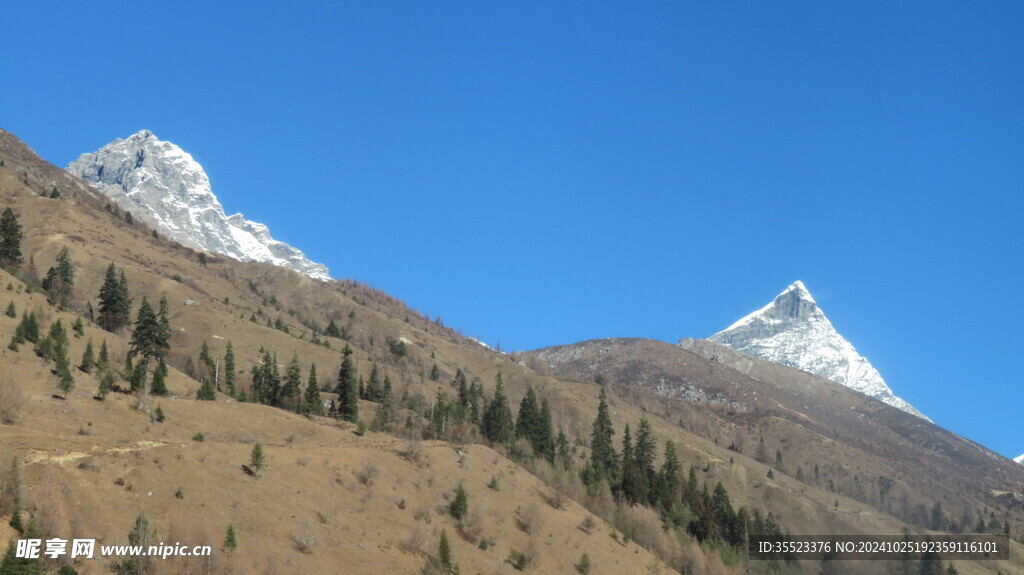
(541, 173)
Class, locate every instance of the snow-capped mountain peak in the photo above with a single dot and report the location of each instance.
(792, 330)
(164, 186)
(1019, 459)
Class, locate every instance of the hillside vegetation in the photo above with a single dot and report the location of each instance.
(402, 456)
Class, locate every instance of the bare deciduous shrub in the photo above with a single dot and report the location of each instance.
(368, 473)
(645, 528)
(88, 464)
(418, 540)
(555, 498)
(304, 539)
(422, 515)
(588, 525)
(328, 510)
(471, 526)
(181, 527)
(12, 400)
(531, 520)
(413, 452)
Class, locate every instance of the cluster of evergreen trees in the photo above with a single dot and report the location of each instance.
(269, 388)
(60, 279)
(115, 301)
(684, 505)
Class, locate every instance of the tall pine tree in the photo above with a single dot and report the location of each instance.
(348, 392)
(115, 302)
(147, 338)
(292, 388)
(312, 404)
(10, 239)
(229, 369)
(603, 460)
(498, 426)
(159, 383)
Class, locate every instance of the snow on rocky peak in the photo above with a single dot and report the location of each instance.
(163, 186)
(1019, 459)
(792, 330)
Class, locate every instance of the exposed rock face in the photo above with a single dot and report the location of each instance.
(792, 330)
(162, 185)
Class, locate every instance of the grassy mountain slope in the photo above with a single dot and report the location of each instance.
(331, 500)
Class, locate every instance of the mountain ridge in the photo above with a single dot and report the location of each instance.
(164, 186)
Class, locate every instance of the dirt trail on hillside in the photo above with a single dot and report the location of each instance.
(45, 457)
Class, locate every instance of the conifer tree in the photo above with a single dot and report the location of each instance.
(644, 454)
(230, 542)
(312, 403)
(348, 395)
(106, 384)
(292, 388)
(631, 483)
(669, 479)
(444, 554)
(373, 388)
(141, 535)
(163, 318)
(498, 426)
(11, 311)
(147, 337)
(603, 460)
(382, 421)
(88, 358)
(14, 565)
(60, 279)
(159, 384)
(724, 516)
(266, 380)
(256, 457)
(460, 384)
(115, 302)
(137, 380)
(529, 415)
(563, 452)
(28, 328)
(206, 391)
(229, 369)
(459, 506)
(10, 240)
(545, 437)
(332, 329)
(103, 360)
